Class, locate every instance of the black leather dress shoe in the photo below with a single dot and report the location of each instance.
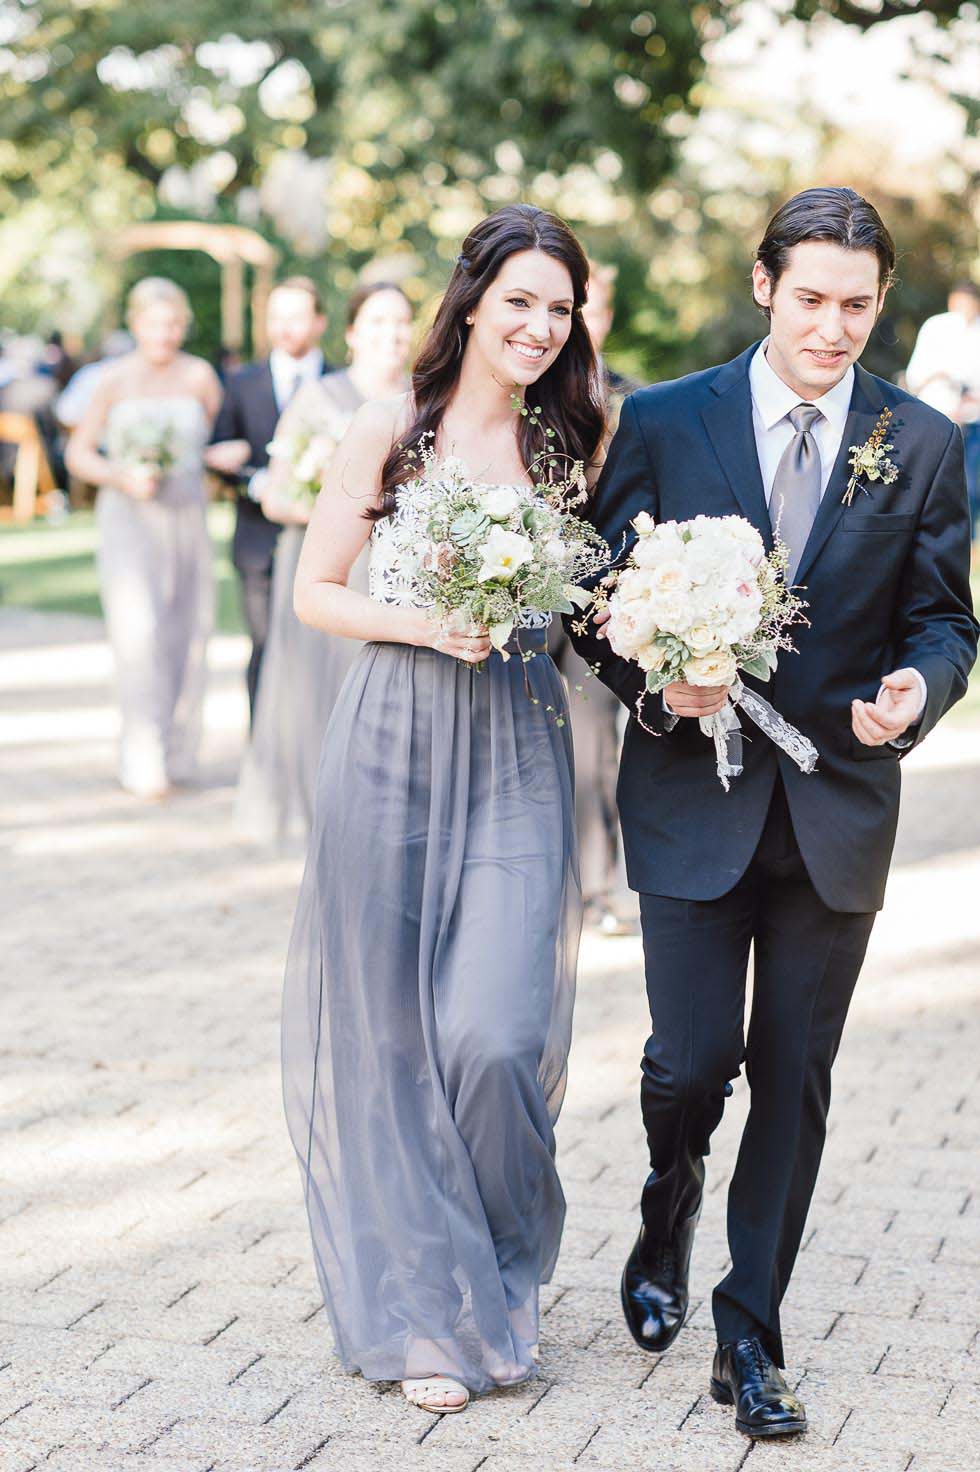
(744, 1375)
(654, 1287)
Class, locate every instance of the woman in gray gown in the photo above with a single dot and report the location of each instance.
(141, 441)
(303, 669)
(429, 986)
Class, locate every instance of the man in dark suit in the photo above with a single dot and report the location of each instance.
(791, 863)
(254, 399)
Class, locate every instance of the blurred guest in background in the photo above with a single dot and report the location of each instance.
(609, 905)
(303, 668)
(29, 388)
(944, 371)
(76, 396)
(254, 399)
(56, 361)
(141, 441)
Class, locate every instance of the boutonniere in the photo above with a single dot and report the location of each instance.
(871, 461)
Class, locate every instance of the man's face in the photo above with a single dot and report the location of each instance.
(964, 304)
(293, 323)
(822, 311)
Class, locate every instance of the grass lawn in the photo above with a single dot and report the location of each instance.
(52, 566)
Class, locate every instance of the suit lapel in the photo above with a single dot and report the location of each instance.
(728, 421)
(862, 416)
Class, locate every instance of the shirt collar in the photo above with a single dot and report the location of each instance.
(774, 399)
(285, 367)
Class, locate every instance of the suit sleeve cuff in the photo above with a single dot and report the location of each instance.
(907, 738)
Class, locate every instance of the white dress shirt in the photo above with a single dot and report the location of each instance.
(288, 372)
(772, 401)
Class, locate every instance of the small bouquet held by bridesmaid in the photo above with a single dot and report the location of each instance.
(698, 601)
(307, 452)
(497, 554)
(150, 444)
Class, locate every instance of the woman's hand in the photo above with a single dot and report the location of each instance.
(471, 645)
(139, 481)
(600, 620)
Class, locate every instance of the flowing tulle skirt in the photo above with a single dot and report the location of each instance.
(157, 590)
(302, 673)
(427, 1010)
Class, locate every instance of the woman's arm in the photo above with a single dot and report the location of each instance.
(336, 535)
(86, 461)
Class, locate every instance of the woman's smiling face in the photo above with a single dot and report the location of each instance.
(524, 317)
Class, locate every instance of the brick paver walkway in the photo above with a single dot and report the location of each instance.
(158, 1305)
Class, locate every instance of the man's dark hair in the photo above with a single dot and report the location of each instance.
(965, 287)
(838, 215)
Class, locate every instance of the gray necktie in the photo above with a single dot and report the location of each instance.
(796, 486)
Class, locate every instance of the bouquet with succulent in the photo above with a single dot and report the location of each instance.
(501, 556)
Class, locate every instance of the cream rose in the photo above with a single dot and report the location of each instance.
(701, 639)
(711, 669)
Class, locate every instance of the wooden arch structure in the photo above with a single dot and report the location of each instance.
(234, 247)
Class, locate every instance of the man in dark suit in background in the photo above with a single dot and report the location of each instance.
(254, 399)
(789, 863)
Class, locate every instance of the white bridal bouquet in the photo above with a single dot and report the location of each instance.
(497, 556)
(698, 601)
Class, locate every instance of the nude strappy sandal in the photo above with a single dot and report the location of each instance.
(421, 1393)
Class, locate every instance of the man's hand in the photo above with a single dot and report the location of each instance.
(694, 700)
(228, 456)
(897, 707)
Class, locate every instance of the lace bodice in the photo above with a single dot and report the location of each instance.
(398, 545)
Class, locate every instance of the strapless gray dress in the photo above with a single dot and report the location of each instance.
(157, 589)
(428, 1004)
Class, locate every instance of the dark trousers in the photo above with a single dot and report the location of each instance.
(256, 586)
(807, 960)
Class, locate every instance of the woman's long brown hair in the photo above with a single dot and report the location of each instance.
(569, 391)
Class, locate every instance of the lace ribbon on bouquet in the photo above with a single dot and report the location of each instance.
(726, 731)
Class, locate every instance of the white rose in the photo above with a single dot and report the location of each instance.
(701, 639)
(555, 551)
(500, 502)
(669, 577)
(504, 553)
(652, 657)
(711, 669)
(672, 612)
(644, 524)
(631, 627)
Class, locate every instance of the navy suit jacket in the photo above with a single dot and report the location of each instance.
(249, 412)
(887, 583)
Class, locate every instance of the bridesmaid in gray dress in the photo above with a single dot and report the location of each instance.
(141, 441)
(429, 986)
(303, 669)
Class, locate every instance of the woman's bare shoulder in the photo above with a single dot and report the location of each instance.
(384, 418)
